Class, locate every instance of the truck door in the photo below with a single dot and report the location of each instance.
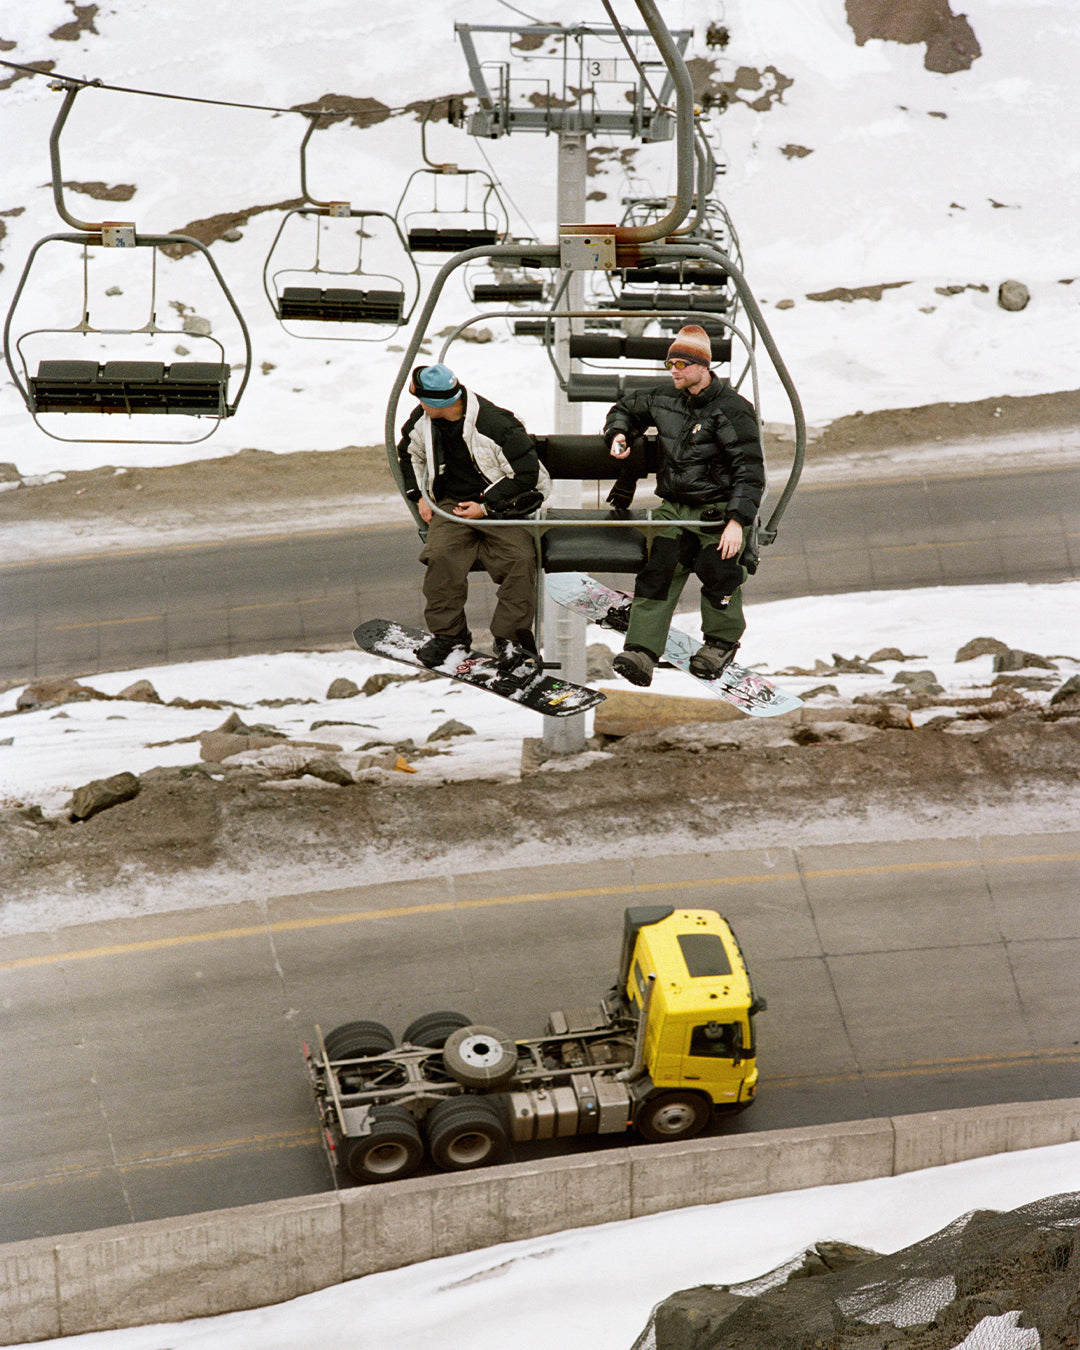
(714, 1058)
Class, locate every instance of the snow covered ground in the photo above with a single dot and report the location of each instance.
(45, 754)
(596, 1286)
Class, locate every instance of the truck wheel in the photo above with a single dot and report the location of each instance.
(391, 1150)
(434, 1029)
(672, 1115)
(480, 1057)
(358, 1040)
(465, 1132)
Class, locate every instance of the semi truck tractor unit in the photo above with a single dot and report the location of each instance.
(671, 1046)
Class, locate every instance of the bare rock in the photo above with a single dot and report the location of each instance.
(919, 682)
(1013, 296)
(981, 646)
(216, 746)
(893, 654)
(102, 793)
(49, 693)
(329, 770)
(598, 660)
(375, 684)
(448, 730)
(1067, 698)
(1012, 659)
(142, 691)
(852, 665)
(884, 716)
(342, 688)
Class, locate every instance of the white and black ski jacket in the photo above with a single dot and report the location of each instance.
(501, 449)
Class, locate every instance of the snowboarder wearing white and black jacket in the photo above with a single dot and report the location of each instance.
(472, 459)
(710, 467)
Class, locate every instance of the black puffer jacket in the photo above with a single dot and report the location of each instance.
(710, 450)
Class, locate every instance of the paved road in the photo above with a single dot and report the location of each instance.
(121, 611)
(153, 1067)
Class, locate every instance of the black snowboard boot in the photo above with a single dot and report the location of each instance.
(635, 665)
(514, 658)
(437, 650)
(712, 659)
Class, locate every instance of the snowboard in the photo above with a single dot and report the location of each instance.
(545, 694)
(602, 605)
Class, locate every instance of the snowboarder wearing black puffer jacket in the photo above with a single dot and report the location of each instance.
(711, 467)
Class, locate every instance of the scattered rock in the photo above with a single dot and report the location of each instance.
(142, 691)
(1067, 698)
(1011, 659)
(50, 693)
(884, 716)
(101, 794)
(919, 681)
(342, 688)
(1013, 296)
(598, 660)
(329, 770)
(852, 665)
(450, 729)
(892, 654)
(821, 691)
(981, 646)
(196, 326)
(9, 473)
(375, 684)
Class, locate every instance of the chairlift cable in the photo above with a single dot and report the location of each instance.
(501, 187)
(185, 98)
(629, 50)
(515, 10)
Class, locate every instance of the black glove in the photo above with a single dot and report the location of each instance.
(509, 508)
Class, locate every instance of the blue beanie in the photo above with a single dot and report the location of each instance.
(437, 386)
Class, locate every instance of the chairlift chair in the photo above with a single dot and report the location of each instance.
(370, 303)
(68, 380)
(464, 209)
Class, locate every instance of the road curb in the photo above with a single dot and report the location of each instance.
(167, 1270)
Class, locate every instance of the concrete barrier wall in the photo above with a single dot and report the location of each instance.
(196, 1266)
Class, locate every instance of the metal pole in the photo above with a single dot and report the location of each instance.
(564, 632)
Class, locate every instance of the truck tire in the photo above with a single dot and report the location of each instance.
(358, 1040)
(465, 1132)
(480, 1057)
(672, 1115)
(392, 1149)
(432, 1030)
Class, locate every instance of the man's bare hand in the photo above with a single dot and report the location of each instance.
(469, 510)
(619, 448)
(731, 540)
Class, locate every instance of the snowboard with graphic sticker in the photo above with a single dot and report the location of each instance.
(600, 604)
(545, 694)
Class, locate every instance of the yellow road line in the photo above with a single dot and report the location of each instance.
(315, 921)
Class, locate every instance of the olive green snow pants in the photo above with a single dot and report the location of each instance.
(674, 556)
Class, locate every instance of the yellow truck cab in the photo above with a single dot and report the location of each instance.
(683, 972)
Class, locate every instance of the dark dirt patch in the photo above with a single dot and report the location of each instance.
(184, 821)
(951, 44)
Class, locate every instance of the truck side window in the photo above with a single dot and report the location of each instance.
(714, 1040)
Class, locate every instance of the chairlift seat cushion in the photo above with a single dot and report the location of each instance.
(191, 387)
(709, 302)
(454, 240)
(690, 275)
(67, 372)
(489, 293)
(341, 304)
(607, 388)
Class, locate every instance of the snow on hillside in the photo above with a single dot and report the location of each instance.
(866, 170)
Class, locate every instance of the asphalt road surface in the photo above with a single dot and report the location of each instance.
(153, 1066)
(120, 611)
